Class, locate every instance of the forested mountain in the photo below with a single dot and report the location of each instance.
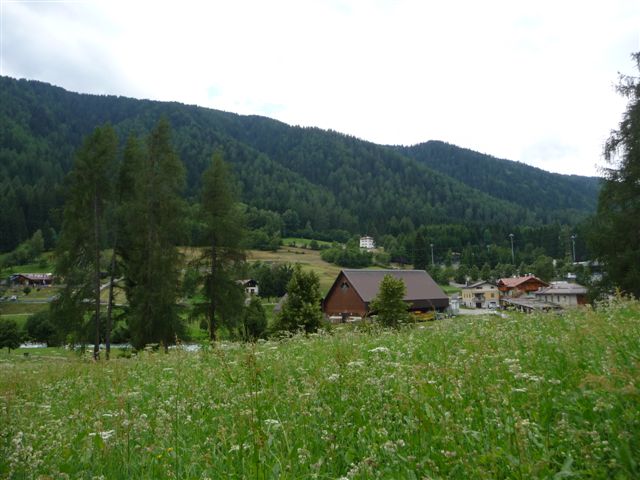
(545, 193)
(316, 181)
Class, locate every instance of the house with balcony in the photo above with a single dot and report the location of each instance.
(482, 294)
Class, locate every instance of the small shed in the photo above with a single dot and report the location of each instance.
(353, 290)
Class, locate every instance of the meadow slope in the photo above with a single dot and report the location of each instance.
(548, 396)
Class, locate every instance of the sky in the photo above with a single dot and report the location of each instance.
(532, 81)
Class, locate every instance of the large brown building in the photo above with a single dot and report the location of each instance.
(353, 290)
(516, 286)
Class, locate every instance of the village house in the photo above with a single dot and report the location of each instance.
(31, 279)
(564, 294)
(353, 290)
(250, 286)
(367, 243)
(517, 286)
(481, 295)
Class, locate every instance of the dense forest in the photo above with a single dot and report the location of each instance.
(293, 180)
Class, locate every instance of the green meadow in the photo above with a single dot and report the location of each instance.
(541, 396)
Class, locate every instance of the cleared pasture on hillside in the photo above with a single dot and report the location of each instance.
(519, 397)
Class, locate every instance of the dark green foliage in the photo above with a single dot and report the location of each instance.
(78, 261)
(350, 257)
(421, 252)
(543, 268)
(545, 194)
(40, 329)
(190, 282)
(153, 225)
(462, 274)
(254, 321)
(27, 252)
(319, 182)
(388, 306)
(272, 278)
(223, 232)
(301, 310)
(10, 335)
(614, 235)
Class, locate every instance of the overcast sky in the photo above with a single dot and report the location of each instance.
(529, 81)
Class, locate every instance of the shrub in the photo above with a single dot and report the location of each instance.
(301, 310)
(10, 335)
(40, 329)
(254, 320)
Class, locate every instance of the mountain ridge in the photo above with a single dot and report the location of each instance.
(329, 180)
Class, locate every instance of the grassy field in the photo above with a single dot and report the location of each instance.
(308, 259)
(522, 397)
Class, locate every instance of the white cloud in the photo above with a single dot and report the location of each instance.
(530, 82)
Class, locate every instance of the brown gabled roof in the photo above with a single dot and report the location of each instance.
(513, 282)
(421, 289)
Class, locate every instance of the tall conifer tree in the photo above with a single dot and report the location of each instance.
(83, 231)
(614, 237)
(152, 182)
(224, 231)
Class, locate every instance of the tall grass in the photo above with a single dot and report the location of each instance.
(547, 396)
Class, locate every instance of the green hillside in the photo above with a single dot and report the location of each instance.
(317, 181)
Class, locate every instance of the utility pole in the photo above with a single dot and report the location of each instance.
(513, 255)
(573, 242)
(432, 262)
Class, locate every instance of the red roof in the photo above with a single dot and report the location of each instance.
(513, 282)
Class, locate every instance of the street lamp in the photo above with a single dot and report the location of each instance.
(573, 242)
(513, 255)
(432, 262)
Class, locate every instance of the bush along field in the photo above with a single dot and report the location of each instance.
(540, 396)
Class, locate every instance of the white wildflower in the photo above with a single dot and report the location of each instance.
(379, 350)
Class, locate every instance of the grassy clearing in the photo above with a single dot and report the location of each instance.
(308, 260)
(299, 241)
(523, 397)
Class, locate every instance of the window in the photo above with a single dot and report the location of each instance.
(344, 286)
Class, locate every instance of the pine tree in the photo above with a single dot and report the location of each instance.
(83, 230)
(223, 231)
(614, 234)
(388, 305)
(153, 226)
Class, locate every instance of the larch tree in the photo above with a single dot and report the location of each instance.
(615, 234)
(78, 254)
(224, 231)
(153, 220)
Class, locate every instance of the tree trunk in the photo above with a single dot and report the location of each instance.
(96, 231)
(107, 334)
(212, 293)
